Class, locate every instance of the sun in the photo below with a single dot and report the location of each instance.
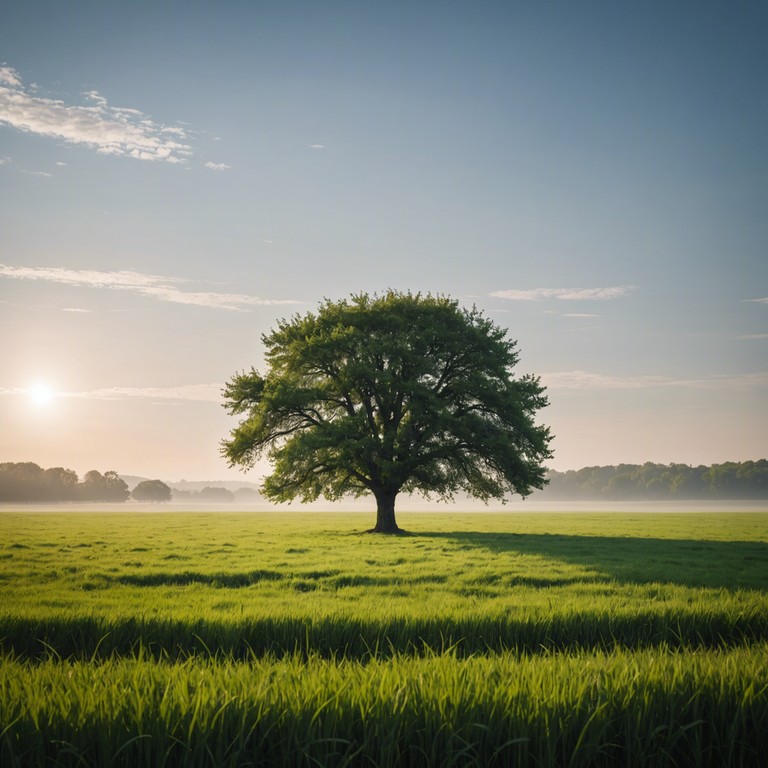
(41, 394)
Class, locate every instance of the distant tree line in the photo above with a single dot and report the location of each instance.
(731, 480)
(216, 495)
(28, 482)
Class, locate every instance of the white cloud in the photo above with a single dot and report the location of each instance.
(4, 159)
(316, 146)
(585, 380)
(217, 166)
(753, 336)
(83, 277)
(9, 76)
(571, 294)
(205, 393)
(75, 309)
(38, 173)
(579, 314)
(764, 300)
(108, 130)
(154, 286)
(210, 299)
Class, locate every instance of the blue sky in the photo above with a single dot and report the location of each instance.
(175, 177)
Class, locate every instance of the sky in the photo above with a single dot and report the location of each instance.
(175, 177)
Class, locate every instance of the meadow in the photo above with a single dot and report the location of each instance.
(290, 638)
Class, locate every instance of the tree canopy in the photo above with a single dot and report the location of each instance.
(391, 393)
(106, 487)
(151, 490)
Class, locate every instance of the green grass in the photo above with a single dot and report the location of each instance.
(295, 639)
(651, 707)
(179, 583)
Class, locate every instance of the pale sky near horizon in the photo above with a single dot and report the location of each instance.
(176, 176)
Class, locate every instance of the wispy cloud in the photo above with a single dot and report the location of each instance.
(210, 299)
(316, 146)
(579, 314)
(217, 166)
(84, 277)
(4, 159)
(109, 130)
(570, 294)
(15, 391)
(205, 393)
(764, 300)
(154, 286)
(586, 380)
(76, 310)
(753, 336)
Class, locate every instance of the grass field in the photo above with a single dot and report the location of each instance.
(294, 639)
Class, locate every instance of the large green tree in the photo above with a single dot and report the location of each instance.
(390, 393)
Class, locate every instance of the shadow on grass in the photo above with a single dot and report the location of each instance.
(361, 637)
(185, 578)
(332, 579)
(630, 560)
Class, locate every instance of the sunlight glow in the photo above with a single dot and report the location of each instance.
(41, 394)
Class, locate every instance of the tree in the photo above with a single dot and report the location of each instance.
(247, 495)
(384, 394)
(107, 487)
(61, 484)
(151, 490)
(21, 481)
(216, 495)
(116, 488)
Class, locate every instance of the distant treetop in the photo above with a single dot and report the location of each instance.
(151, 490)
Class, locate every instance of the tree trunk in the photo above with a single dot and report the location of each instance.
(385, 513)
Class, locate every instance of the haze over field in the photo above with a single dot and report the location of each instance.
(175, 178)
